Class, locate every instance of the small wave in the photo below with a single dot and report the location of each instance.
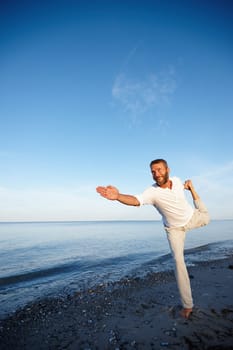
(74, 267)
(217, 248)
(124, 263)
(205, 252)
(32, 275)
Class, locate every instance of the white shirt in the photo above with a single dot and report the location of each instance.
(170, 203)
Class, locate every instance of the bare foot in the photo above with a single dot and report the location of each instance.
(186, 312)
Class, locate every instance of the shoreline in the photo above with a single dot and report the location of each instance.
(139, 313)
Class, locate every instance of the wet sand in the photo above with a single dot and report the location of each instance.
(131, 314)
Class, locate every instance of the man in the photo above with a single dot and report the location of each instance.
(167, 196)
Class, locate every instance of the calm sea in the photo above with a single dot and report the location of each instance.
(59, 258)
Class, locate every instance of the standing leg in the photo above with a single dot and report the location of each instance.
(176, 239)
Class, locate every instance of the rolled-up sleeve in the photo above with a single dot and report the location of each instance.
(139, 198)
(146, 197)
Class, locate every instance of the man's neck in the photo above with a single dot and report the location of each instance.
(168, 184)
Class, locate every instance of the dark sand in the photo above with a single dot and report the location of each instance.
(131, 314)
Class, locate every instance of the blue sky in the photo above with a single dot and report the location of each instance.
(92, 91)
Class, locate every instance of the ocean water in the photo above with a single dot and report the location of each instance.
(58, 258)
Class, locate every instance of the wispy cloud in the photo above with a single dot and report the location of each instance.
(139, 96)
(132, 53)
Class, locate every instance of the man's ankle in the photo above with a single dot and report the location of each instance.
(186, 312)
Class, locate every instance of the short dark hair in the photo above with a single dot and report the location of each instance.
(156, 161)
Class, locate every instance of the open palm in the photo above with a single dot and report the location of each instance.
(109, 192)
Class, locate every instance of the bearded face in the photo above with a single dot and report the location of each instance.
(160, 174)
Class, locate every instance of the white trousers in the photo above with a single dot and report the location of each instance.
(176, 239)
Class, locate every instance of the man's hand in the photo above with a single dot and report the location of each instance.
(108, 192)
(188, 185)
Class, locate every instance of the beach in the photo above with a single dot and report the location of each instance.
(136, 313)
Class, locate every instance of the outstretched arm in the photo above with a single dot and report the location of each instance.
(112, 193)
(189, 186)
